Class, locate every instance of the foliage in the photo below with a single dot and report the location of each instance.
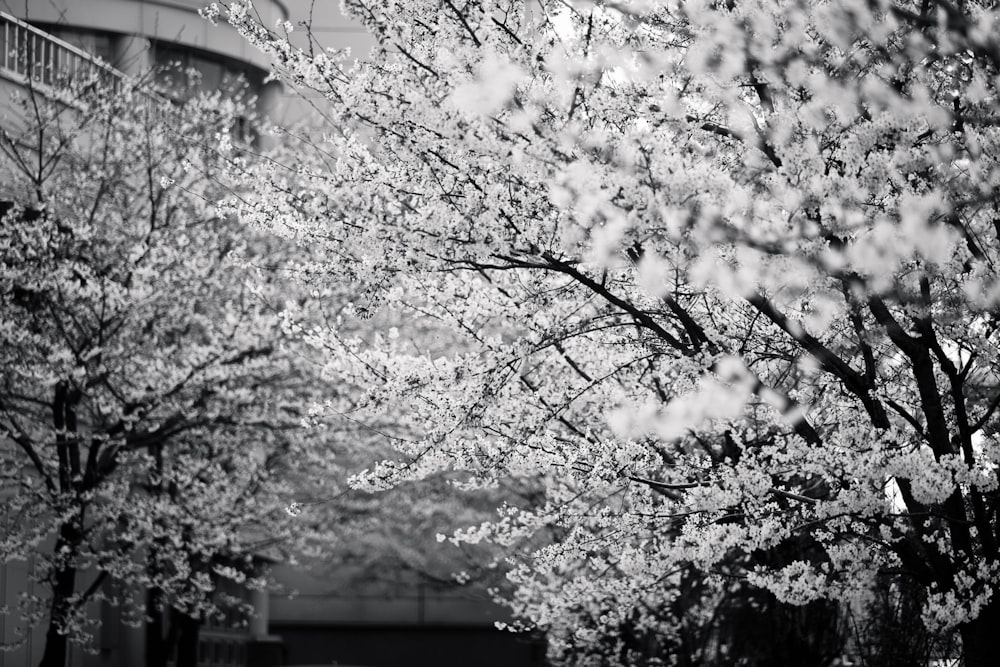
(724, 275)
(152, 411)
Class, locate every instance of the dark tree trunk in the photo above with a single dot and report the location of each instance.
(63, 576)
(157, 650)
(981, 637)
(187, 642)
(159, 644)
(63, 586)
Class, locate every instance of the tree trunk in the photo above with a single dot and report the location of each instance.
(64, 584)
(981, 637)
(159, 645)
(187, 642)
(157, 651)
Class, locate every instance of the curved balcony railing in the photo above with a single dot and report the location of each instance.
(35, 59)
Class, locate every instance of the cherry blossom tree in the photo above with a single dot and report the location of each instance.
(152, 404)
(724, 279)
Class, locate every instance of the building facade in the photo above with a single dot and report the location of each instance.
(137, 36)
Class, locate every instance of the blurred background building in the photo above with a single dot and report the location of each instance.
(138, 36)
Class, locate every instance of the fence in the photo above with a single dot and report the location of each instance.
(38, 60)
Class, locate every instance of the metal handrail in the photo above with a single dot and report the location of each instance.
(33, 57)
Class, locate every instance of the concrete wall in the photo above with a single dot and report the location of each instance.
(344, 596)
(10, 117)
(335, 617)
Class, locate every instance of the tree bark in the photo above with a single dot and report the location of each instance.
(63, 586)
(980, 643)
(157, 650)
(68, 543)
(187, 642)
